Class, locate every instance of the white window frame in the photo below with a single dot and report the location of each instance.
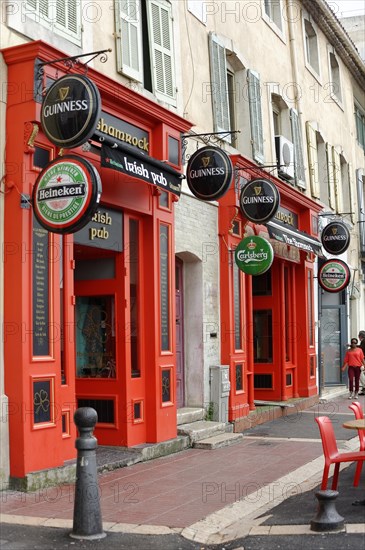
(128, 15)
(255, 104)
(335, 79)
(272, 11)
(218, 76)
(31, 11)
(314, 68)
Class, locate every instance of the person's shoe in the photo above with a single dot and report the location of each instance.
(351, 396)
(356, 395)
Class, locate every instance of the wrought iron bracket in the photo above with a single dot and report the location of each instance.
(208, 138)
(69, 63)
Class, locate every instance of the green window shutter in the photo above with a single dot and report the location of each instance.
(129, 38)
(218, 76)
(254, 100)
(299, 170)
(337, 180)
(313, 159)
(162, 54)
(331, 182)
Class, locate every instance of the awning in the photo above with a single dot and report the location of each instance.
(131, 162)
(293, 237)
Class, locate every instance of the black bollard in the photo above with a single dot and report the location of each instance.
(327, 518)
(87, 523)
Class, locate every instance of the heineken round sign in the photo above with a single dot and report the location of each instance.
(66, 194)
(335, 238)
(209, 173)
(71, 111)
(254, 255)
(259, 200)
(334, 275)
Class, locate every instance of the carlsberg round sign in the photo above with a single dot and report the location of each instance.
(66, 194)
(254, 255)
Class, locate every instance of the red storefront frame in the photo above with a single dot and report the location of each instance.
(294, 377)
(27, 374)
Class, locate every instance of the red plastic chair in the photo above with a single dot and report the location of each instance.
(356, 407)
(357, 404)
(333, 456)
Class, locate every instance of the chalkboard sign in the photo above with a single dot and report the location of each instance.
(40, 290)
(42, 400)
(164, 287)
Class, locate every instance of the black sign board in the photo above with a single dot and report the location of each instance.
(142, 167)
(209, 173)
(335, 238)
(259, 200)
(116, 128)
(71, 111)
(293, 237)
(105, 230)
(40, 291)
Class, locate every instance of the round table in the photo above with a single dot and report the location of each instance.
(358, 424)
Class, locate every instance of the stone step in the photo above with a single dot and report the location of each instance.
(201, 429)
(217, 441)
(186, 415)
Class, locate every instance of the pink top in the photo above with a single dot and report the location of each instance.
(354, 357)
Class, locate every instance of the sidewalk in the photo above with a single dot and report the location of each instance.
(212, 497)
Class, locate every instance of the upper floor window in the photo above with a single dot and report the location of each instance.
(62, 18)
(360, 126)
(311, 45)
(145, 45)
(288, 141)
(335, 76)
(223, 88)
(273, 12)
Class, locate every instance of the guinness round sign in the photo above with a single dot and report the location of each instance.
(71, 111)
(209, 173)
(66, 194)
(335, 238)
(334, 275)
(254, 255)
(259, 200)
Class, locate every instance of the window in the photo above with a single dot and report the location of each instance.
(288, 136)
(335, 82)
(313, 159)
(145, 45)
(221, 103)
(254, 100)
(224, 67)
(360, 126)
(198, 8)
(311, 45)
(60, 17)
(273, 12)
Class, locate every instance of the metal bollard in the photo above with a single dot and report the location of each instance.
(87, 523)
(327, 518)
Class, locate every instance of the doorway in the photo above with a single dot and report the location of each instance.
(99, 347)
(180, 361)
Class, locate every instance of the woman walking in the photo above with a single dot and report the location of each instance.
(354, 360)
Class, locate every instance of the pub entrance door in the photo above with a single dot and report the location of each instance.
(99, 295)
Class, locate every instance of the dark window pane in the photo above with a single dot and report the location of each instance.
(41, 157)
(263, 336)
(166, 386)
(174, 151)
